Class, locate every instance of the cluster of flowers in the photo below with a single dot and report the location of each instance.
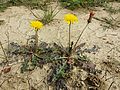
(69, 18)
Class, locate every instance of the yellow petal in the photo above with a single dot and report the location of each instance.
(36, 24)
(70, 18)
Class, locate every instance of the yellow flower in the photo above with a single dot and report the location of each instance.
(70, 18)
(36, 24)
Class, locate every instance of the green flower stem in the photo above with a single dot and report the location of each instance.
(80, 36)
(36, 40)
(69, 37)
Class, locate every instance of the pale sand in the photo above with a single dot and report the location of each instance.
(17, 23)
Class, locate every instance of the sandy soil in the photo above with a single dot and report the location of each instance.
(17, 20)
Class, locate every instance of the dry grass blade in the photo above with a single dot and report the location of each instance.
(109, 22)
(111, 85)
(5, 55)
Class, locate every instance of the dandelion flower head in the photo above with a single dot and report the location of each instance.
(36, 24)
(70, 18)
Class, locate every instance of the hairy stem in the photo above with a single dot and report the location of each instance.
(36, 40)
(80, 35)
(69, 37)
